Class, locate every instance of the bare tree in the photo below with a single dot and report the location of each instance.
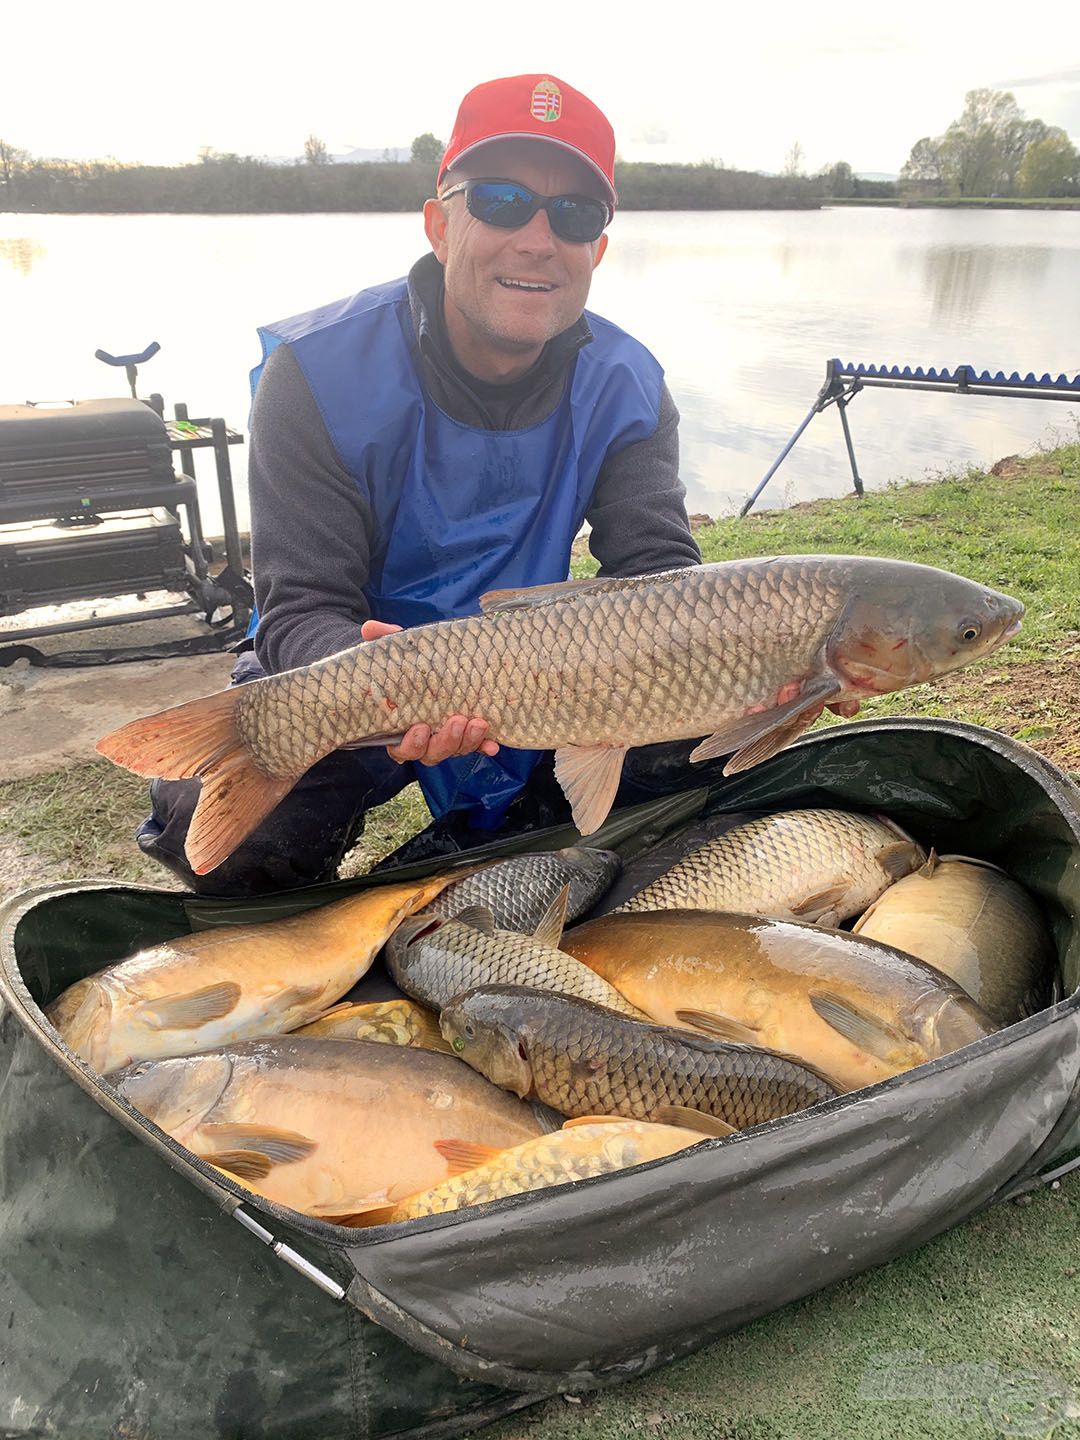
(315, 151)
(12, 160)
(793, 160)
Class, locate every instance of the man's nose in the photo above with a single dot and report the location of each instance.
(537, 237)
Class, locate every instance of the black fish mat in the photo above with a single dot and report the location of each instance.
(142, 1294)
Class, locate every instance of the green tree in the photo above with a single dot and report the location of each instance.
(427, 150)
(315, 151)
(1051, 166)
(923, 172)
(838, 180)
(12, 161)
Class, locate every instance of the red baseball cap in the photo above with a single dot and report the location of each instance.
(534, 107)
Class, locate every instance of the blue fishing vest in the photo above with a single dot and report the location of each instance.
(458, 510)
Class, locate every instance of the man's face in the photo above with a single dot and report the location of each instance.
(497, 328)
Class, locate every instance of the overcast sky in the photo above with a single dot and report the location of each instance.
(686, 81)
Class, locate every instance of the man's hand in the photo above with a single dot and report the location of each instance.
(457, 735)
(846, 708)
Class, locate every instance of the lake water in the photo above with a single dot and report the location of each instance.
(742, 308)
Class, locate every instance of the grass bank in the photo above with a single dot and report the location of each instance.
(959, 202)
(991, 1311)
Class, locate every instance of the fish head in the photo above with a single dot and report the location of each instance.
(942, 1025)
(482, 1027)
(904, 624)
(593, 868)
(404, 946)
(176, 1094)
(83, 1018)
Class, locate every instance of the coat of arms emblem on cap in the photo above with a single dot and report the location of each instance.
(546, 101)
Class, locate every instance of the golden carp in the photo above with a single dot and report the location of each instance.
(517, 891)
(816, 865)
(325, 1126)
(582, 1059)
(747, 652)
(233, 982)
(854, 1009)
(433, 959)
(583, 1149)
(973, 923)
(387, 1022)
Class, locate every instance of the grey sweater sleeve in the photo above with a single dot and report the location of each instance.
(638, 509)
(310, 526)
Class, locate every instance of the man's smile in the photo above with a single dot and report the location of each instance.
(510, 284)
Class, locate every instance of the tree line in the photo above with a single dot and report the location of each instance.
(992, 150)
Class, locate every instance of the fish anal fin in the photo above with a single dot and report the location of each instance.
(462, 1155)
(721, 1027)
(864, 1030)
(900, 858)
(277, 1146)
(189, 1011)
(589, 776)
(820, 902)
(553, 921)
(688, 1119)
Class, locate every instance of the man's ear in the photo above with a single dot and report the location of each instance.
(601, 246)
(436, 223)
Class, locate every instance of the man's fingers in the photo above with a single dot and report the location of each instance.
(457, 735)
(412, 746)
(846, 708)
(376, 629)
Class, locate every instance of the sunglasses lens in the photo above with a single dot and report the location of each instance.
(573, 217)
(503, 203)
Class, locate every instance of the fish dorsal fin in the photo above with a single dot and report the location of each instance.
(462, 1155)
(589, 776)
(477, 917)
(721, 1027)
(553, 921)
(821, 904)
(189, 1011)
(901, 858)
(864, 1030)
(280, 1147)
(687, 1119)
(932, 862)
(533, 595)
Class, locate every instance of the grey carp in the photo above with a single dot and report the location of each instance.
(517, 891)
(747, 653)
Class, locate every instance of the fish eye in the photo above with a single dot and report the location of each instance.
(470, 1030)
(970, 630)
(459, 1044)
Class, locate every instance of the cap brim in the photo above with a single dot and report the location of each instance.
(609, 189)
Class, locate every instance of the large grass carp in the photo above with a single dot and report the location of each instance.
(517, 891)
(746, 652)
(855, 1009)
(582, 1059)
(325, 1126)
(816, 865)
(974, 923)
(433, 959)
(233, 982)
(580, 1151)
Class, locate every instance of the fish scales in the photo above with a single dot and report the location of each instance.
(492, 665)
(796, 864)
(584, 1060)
(518, 891)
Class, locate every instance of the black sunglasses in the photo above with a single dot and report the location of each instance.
(505, 203)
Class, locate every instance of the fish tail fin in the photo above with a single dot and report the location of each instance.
(200, 739)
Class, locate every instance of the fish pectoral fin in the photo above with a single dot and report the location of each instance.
(279, 1147)
(387, 737)
(589, 776)
(428, 1034)
(932, 862)
(244, 1164)
(721, 1027)
(900, 858)
(477, 917)
(864, 1030)
(821, 903)
(297, 995)
(763, 725)
(189, 1011)
(594, 1120)
(553, 921)
(687, 1119)
(462, 1155)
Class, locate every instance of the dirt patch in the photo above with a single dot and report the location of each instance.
(1037, 702)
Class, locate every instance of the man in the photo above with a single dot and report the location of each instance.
(425, 441)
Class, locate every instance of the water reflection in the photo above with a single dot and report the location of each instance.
(20, 252)
(961, 279)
